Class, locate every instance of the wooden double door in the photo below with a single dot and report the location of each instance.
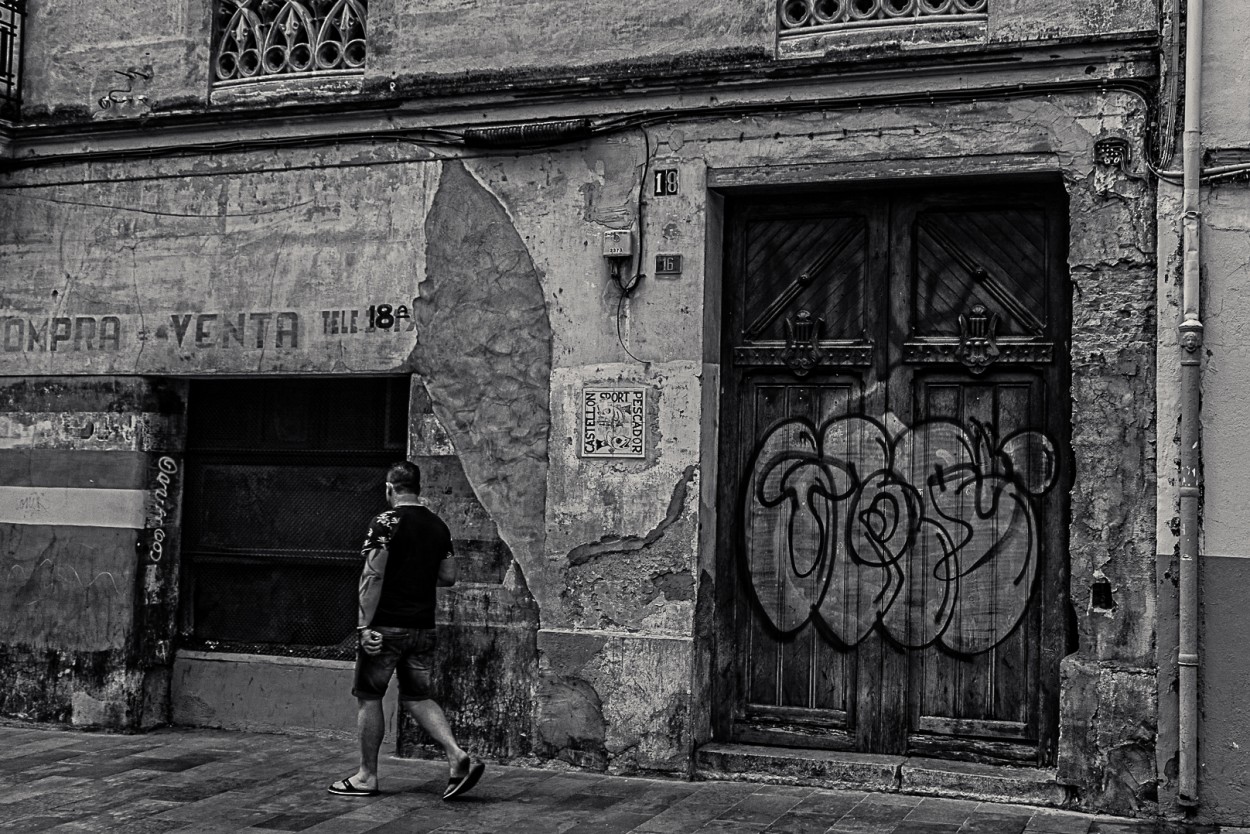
(894, 469)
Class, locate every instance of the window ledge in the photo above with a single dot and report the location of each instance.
(883, 39)
(288, 88)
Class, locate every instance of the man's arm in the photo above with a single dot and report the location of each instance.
(447, 571)
(371, 585)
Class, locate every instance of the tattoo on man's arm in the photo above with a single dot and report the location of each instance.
(371, 585)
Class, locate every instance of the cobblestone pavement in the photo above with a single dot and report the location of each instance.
(59, 780)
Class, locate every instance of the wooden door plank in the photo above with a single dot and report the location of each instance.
(764, 687)
(933, 680)
(1054, 411)
(1015, 673)
(877, 673)
(976, 675)
(796, 652)
(834, 684)
(731, 632)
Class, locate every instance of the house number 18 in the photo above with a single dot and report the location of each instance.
(665, 182)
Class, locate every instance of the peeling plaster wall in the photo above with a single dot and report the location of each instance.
(487, 653)
(88, 549)
(76, 53)
(617, 532)
(151, 276)
(1108, 708)
(131, 278)
(617, 586)
(486, 357)
(1025, 20)
(1167, 516)
(609, 576)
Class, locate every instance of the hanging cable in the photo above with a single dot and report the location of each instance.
(627, 286)
(620, 304)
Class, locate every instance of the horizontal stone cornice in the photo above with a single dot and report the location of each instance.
(279, 122)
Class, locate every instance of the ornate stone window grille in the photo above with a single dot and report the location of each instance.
(12, 13)
(801, 17)
(261, 40)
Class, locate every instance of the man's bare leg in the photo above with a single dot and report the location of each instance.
(371, 724)
(430, 716)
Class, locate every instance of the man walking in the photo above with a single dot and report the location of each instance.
(408, 555)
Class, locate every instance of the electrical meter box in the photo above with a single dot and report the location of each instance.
(618, 244)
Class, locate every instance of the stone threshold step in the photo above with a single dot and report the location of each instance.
(869, 772)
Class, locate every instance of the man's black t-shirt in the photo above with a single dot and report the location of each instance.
(417, 541)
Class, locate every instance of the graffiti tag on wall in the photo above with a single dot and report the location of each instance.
(167, 467)
(928, 534)
(66, 589)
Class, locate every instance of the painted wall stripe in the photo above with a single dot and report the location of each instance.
(84, 469)
(86, 430)
(72, 507)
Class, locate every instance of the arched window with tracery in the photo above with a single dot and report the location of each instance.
(259, 40)
(811, 16)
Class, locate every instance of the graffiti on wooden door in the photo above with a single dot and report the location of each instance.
(927, 532)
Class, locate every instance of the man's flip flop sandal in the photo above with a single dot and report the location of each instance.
(344, 787)
(461, 784)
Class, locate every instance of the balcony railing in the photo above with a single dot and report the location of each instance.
(12, 12)
(800, 17)
(259, 40)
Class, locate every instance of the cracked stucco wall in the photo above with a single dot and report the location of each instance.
(608, 576)
(614, 535)
(87, 595)
(1108, 721)
(621, 536)
(276, 272)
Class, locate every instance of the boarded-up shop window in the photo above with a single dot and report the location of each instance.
(283, 477)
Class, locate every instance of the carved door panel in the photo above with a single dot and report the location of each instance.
(895, 406)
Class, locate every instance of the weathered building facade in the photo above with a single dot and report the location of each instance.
(856, 483)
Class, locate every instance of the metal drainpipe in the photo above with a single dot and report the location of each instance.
(1191, 428)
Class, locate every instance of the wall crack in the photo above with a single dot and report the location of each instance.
(584, 553)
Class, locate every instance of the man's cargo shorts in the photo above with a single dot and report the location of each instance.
(408, 651)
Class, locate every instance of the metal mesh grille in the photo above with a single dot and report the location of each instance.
(282, 478)
(12, 13)
(258, 40)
